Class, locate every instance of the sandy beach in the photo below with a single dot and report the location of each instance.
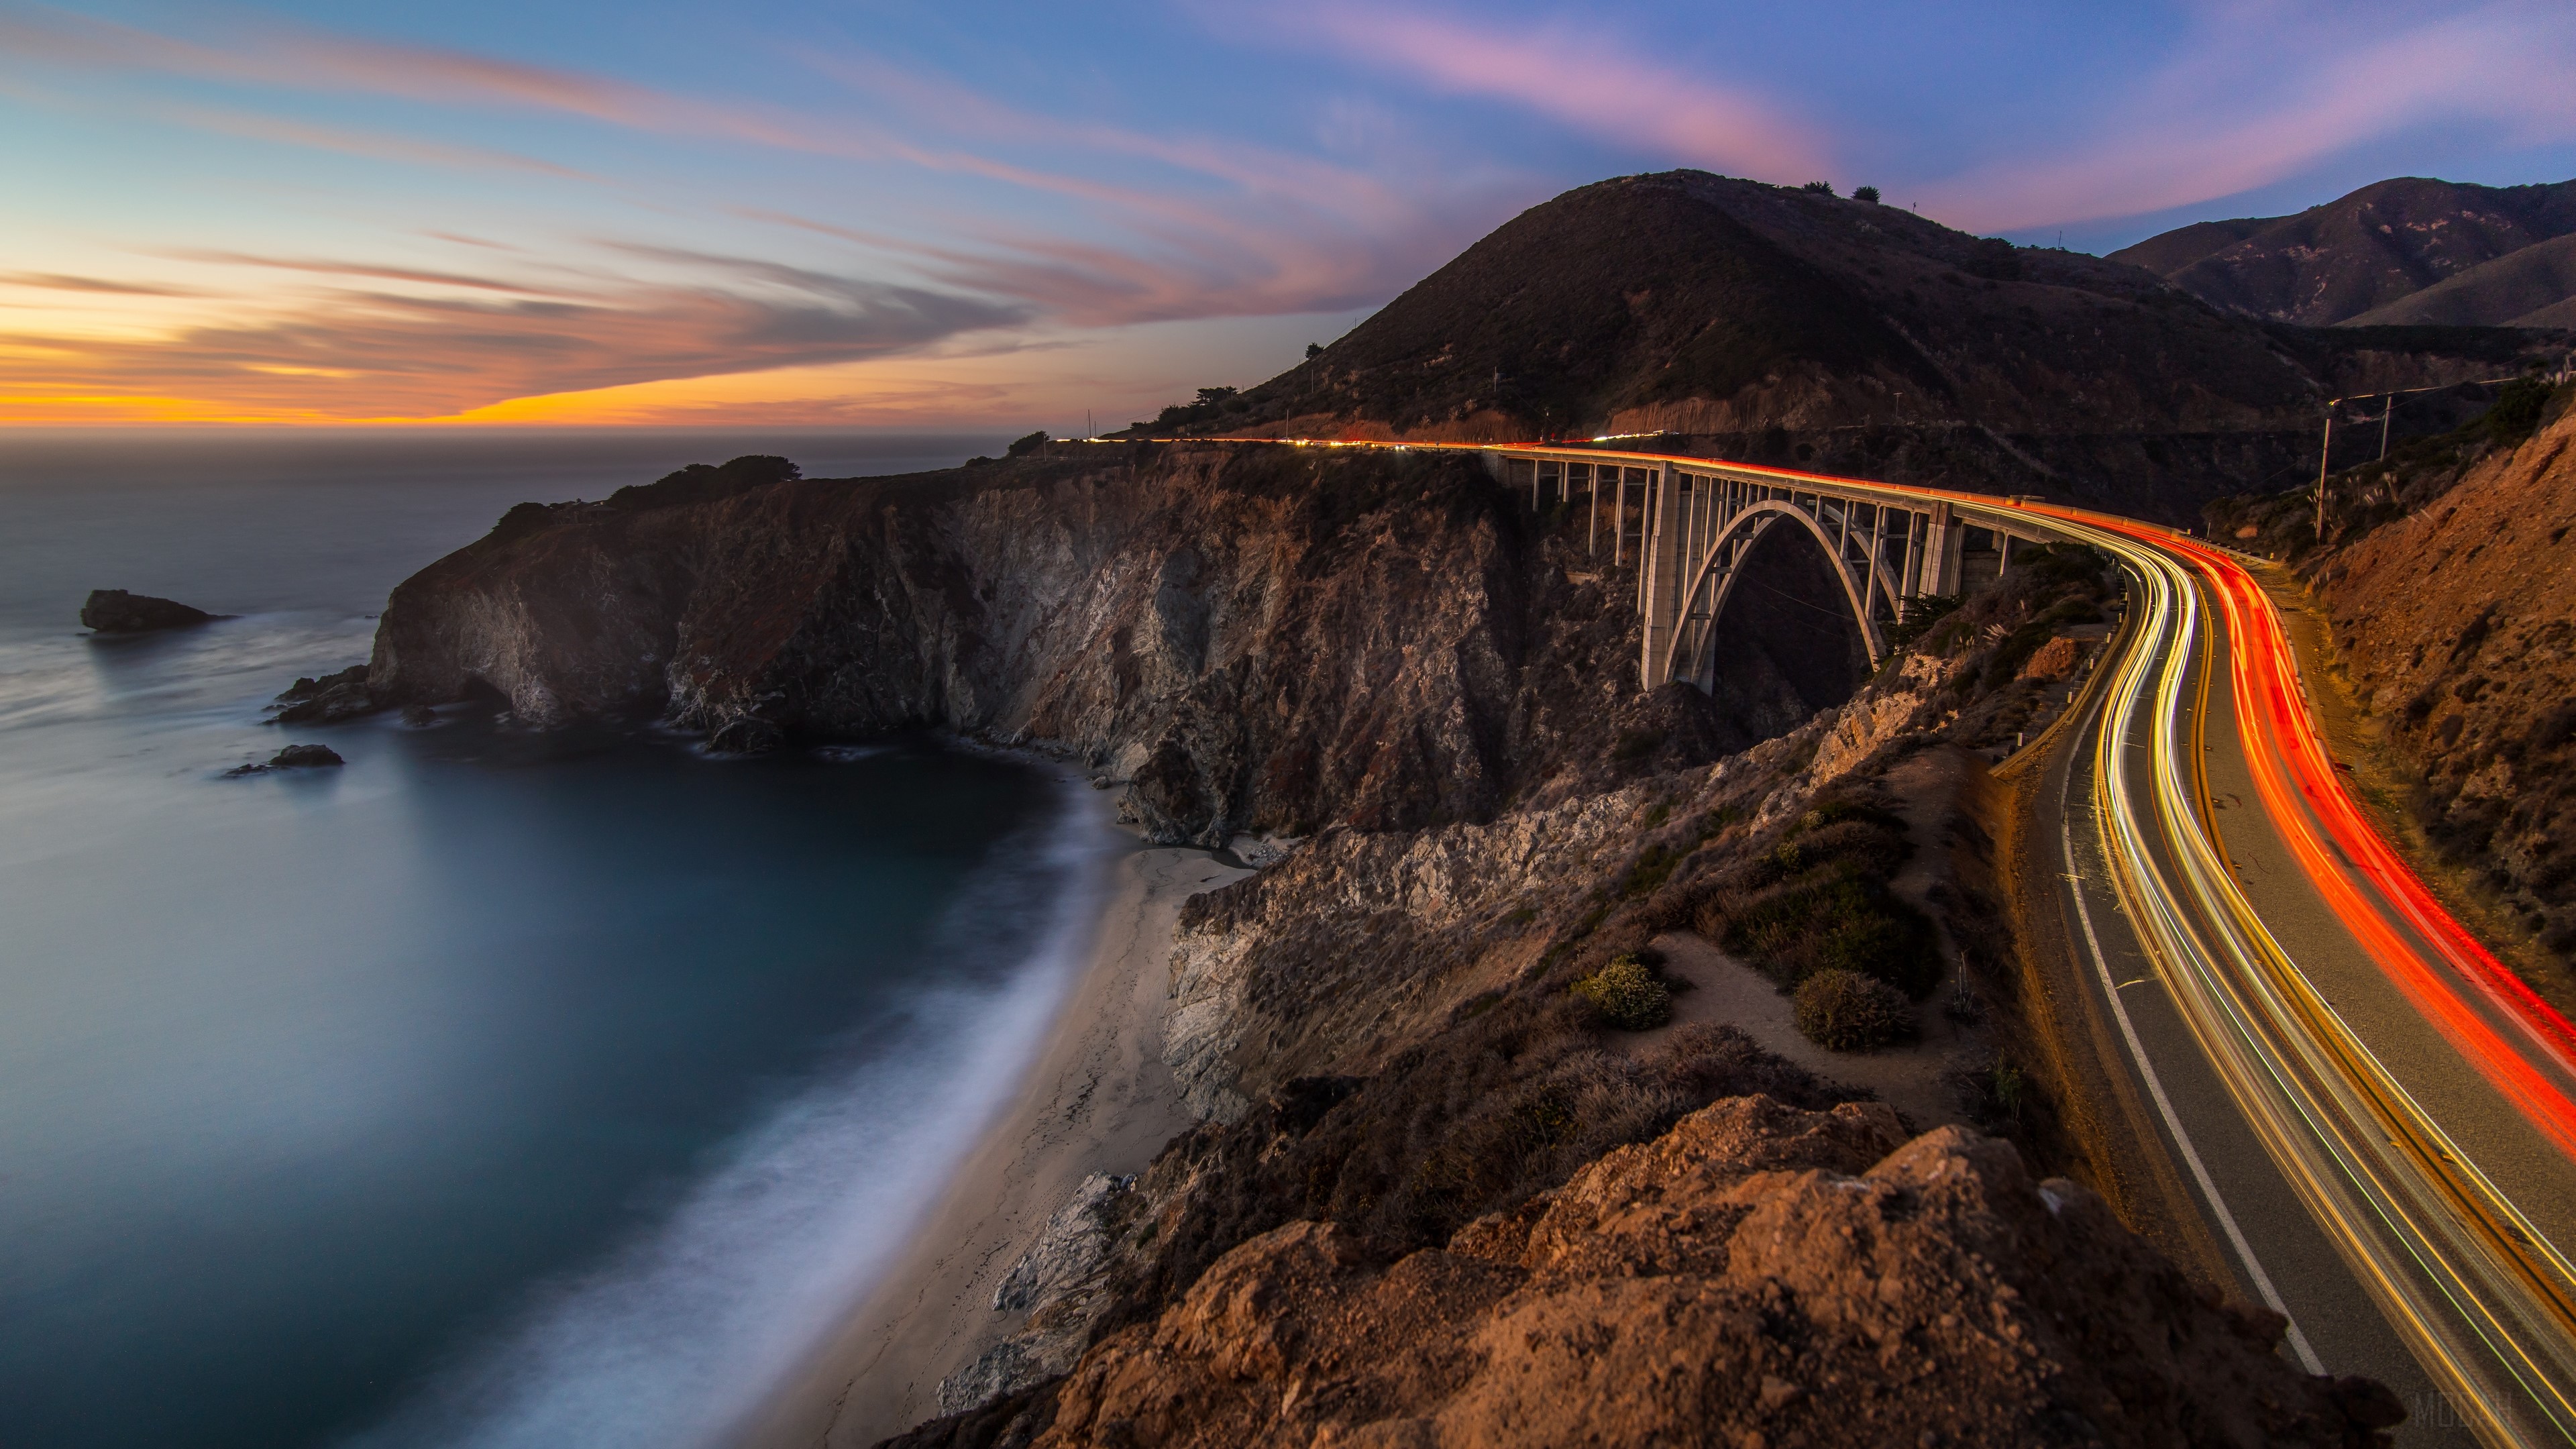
(1098, 1099)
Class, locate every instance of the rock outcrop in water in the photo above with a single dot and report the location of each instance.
(293, 757)
(328, 699)
(114, 611)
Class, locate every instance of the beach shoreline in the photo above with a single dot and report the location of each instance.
(1097, 1098)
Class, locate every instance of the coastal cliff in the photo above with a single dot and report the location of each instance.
(1259, 640)
(1410, 1121)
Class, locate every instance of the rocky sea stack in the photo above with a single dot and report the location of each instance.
(114, 611)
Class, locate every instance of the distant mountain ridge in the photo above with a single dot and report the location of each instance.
(2409, 250)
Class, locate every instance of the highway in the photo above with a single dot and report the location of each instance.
(2406, 1091)
(2372, 1119)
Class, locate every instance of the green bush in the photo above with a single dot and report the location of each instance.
(1818, 900)
(1626, 995)
(1845, 1011)
(1021, 447)
(1865, 193)
(1821, 188)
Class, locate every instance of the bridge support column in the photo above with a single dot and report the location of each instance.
(1661, 605)
(1942, 561)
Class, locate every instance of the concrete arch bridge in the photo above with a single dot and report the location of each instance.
(1696, 529)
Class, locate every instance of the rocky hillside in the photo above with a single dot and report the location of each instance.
(1757, 1274)
(1778, 325)
(2405, 251)
(1447, 1184)
(2451, 580)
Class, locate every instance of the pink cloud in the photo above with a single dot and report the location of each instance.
(297, 58)
(1245, 230)
(2265, 92)
(348, 141)
(1575, 77)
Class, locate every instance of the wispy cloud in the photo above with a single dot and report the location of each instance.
(2262, 92)
(59, 282)
(373, 354)
(350, 141)
(1227, 229)
(1568, 71)
(1234, 230)
(369, 271)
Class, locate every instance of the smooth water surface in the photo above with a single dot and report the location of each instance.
(495, 1088)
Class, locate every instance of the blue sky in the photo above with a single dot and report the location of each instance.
(917, 215)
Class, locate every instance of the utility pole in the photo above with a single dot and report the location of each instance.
(2325, 450)
(2384, 410)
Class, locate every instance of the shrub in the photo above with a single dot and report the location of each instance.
(1626, 995)
(1636, 744)
(1865, 193)
(1314, 349)
(1022, 447)
(1994, 259)
(2517, 410)
(1845, 1011)
(1821, 188)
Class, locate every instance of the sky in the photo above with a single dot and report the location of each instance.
(916, 215)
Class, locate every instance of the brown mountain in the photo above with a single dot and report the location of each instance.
(2533, 287)
(1772, 324)
(1694, 303)
(2354, 259)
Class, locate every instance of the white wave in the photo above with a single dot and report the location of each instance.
(684, 1332)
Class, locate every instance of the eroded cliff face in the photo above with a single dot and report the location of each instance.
(1257, 639)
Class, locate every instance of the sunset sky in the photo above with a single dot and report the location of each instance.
(918, 215)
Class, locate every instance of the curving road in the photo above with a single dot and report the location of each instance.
(2373, 1121)
(2408, 1093)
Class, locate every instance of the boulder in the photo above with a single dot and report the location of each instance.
(114, 611)
(329, 699)
(293, 757)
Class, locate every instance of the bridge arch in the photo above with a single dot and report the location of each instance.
(1714, 575)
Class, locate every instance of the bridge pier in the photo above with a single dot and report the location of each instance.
(1661, 584)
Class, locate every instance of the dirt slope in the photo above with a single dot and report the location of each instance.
(2458, 622)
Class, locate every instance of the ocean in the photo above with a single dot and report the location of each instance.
(495, 1089)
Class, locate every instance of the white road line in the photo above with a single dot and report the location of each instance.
(2164, 1105)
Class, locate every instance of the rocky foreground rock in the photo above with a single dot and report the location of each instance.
(114, 611)
(1758, 1275)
